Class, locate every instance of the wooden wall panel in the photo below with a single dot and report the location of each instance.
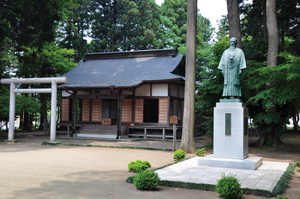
(65, 109)
(96, 110)
(163, 111)
(139, 111)
(126, 110)
(86, 110)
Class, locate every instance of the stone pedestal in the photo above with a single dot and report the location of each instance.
(231, 130)
(231, 138)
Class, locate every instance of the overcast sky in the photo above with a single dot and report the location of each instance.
(211, 9)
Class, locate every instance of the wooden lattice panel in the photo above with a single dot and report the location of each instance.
(127, 110)
(139, 111)
(163, 111)
(85, 110)
(96, 110)
(65, 109)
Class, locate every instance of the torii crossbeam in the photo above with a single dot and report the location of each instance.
(53, 90)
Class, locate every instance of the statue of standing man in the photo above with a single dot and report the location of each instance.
(232, 62)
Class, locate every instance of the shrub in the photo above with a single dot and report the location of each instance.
(298, 170)
(138, 166)
(229, 187)
(200, 152)
(179, 154)
(146, 180)
(297, 164)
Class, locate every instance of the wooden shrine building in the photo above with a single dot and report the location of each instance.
(134, 93)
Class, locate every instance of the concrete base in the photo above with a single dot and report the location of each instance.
(250, 163)
(231, 136)
(265, 177)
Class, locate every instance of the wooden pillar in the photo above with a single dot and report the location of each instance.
(119, 114)
(74, 113)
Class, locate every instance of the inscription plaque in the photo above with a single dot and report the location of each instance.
(227, 123)
(245, 126)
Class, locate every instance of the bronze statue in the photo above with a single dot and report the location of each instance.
(232, 62)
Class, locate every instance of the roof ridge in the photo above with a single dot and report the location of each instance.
(131, 54)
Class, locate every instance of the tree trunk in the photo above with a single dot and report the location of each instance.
(272, 33)
(43, 111)
(234, 21)
(272, 134)
(188, 141)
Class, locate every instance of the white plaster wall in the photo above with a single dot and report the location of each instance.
(143, 90)
(159, 89)
(65, 94)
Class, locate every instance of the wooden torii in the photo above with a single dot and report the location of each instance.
(12, 102)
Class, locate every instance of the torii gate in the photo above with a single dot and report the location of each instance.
(12, 102)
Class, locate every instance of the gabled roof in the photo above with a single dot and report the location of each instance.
(125, 69)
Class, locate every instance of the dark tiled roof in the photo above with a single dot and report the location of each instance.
(125, 69)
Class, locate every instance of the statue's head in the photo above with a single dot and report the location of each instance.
(233, 41)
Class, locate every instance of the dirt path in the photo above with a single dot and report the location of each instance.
(31, 170)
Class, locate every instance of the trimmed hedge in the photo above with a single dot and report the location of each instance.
(138, 166)
(146, 180)
(179, 154)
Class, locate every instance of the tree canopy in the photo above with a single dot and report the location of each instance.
(47, 38)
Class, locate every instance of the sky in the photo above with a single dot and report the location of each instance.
(211, 9)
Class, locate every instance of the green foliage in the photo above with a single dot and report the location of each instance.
(28, 104)
(297, 164)
(179, 154)
(146, 180)
(298, 170)
(4, 101)
(229, 187)
(282, 197)
(74, 26)
(200, 152)
(126, 25)
(138, 166)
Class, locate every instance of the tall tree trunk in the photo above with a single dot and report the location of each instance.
(272, 33)
(43, 111)
(188, 141)
(271, 135)
(234, 21)
(265, 20)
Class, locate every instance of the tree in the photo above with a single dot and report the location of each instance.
(31, 26)
(271, 134)
(234, 21)
(74, 27)
(125, 25)
(187, 141)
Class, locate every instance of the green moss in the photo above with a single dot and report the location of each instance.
(283, 182)
(104, 146)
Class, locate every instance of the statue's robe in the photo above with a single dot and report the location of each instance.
(232, 62)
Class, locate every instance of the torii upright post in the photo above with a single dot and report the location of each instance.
(12, 104)
(53, 90)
